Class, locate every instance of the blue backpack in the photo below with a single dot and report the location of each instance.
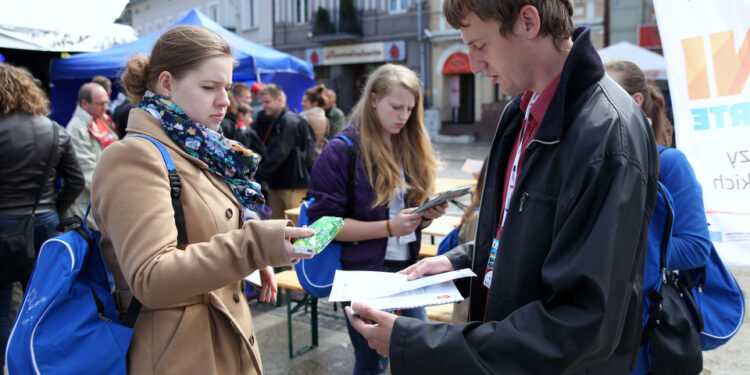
(316, 274)
(68, 322)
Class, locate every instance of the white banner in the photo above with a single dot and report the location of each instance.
(707, 47)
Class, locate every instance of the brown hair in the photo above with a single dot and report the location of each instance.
(238, 88)
(477, 196)
(660, 124)
(103, 82)
(232, 103)
(244, 108)
(21, 92)
(273, 90)
(632, 79)
(316, 95)
(412, 149)
(556, 16)
(177, 51)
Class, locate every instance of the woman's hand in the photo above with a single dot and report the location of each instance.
(405, 222)
(291, 234)
(268, 288)
(435, 212)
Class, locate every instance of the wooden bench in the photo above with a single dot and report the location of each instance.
(440, 313)
(440, 227)
(287, 280)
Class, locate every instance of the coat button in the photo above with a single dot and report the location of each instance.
(229, 213)
(252, 340)
(236, 298)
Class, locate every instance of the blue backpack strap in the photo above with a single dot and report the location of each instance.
(175, 190)
(179, 218)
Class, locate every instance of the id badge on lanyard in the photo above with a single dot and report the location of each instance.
(509, 194)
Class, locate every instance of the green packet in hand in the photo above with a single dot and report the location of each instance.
(326, 228)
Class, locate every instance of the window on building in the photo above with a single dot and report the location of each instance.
(213, 11)
(249, 14)
(398, 6)
(230, 14)
(301, 10)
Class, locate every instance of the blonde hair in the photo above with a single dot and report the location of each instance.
(412, 149)
(20, 92)
(177, 51)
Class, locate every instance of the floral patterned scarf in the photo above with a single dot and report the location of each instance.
(225, 158)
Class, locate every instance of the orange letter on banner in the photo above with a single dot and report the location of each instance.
(731, 68)
(696, 70)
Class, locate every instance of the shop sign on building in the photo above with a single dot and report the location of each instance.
(357, 53)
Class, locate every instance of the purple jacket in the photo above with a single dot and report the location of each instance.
(328, 184)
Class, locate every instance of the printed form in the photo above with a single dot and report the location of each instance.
(391, 291)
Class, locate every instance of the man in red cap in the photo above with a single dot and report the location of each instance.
(254, 94)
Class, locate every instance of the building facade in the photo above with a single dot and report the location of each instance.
(251, 19)
(346, 39)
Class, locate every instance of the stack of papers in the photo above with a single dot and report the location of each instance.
(392, 291)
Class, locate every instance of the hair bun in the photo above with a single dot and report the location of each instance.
(135, 77)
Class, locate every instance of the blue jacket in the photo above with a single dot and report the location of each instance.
(328, 184)
(690, 244)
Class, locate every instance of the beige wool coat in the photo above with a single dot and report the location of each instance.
(195, 318)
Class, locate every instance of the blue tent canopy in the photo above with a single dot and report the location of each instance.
(257, 63)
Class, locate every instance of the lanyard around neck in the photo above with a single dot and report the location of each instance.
(517, 158)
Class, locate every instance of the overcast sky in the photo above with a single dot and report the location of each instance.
(60, 14)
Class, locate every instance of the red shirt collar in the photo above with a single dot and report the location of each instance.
(542, 102)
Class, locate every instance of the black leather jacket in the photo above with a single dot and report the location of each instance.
(566, 295)
(26, 141)
(282, 167)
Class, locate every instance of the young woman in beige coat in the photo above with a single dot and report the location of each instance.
(195, 318)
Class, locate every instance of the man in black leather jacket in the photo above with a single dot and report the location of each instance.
(564, 295)
(282, 168)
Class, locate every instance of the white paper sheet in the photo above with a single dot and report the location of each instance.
(367, 285)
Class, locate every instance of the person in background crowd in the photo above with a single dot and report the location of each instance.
(244, 115)
(26, 140)
(242, 93)
(229, 123)
(313, 102)
(255, 102)
(120, 116)
(690, 243)
(563, 221)
(283, 168)
(107, 85)
(665, 136)
(92, 131)
(194, 318)
(335, 116)
(395, 173)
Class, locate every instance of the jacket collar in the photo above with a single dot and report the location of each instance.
(82, 115)
(582, 69)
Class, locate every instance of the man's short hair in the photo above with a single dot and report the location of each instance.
(238, 88)
(85, 92)
(103, 82)
(330, 95)
(556, 16)
(273, 90)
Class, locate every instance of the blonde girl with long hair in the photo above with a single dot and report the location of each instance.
(394, 173)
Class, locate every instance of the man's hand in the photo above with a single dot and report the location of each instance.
(268, 288)
(428, 266)
(377, 333)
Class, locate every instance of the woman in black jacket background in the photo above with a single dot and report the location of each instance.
(26, 140)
